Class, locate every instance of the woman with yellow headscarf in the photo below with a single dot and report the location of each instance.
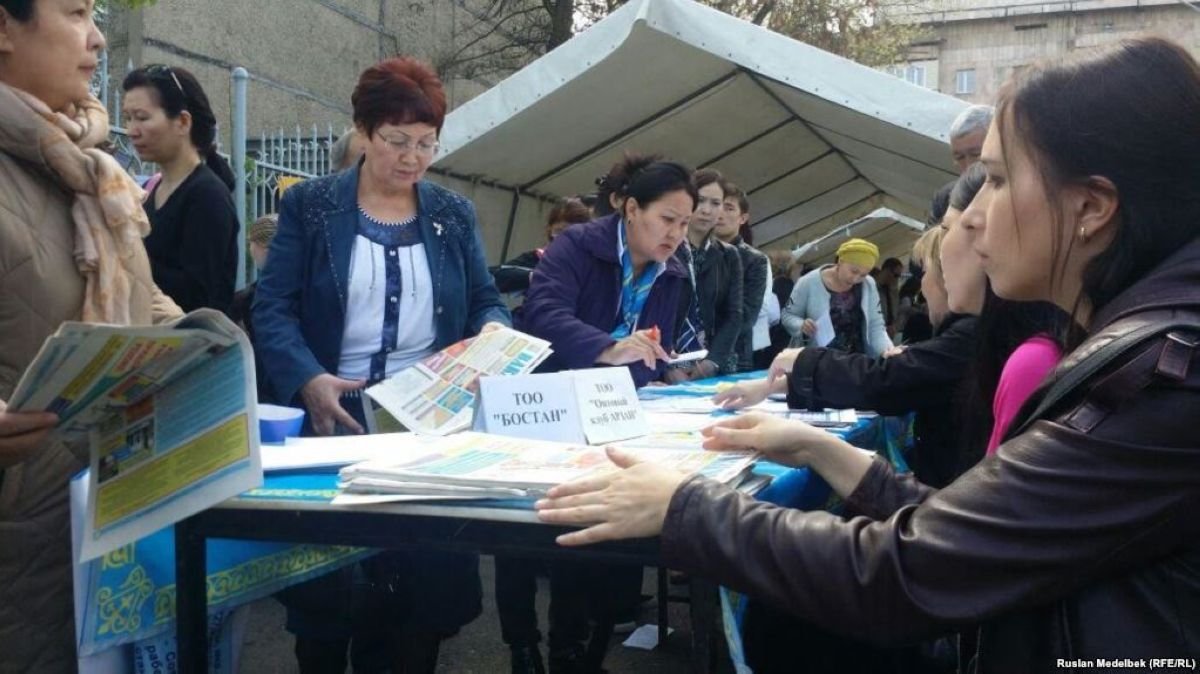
(846, 294)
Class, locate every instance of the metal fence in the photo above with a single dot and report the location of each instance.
(263, 167)
(278, 159)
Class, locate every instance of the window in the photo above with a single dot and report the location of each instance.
(964, 81)
(910, 73)
(915, 73)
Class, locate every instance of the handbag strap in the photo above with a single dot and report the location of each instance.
(1115, 341)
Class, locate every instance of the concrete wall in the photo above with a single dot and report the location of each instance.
(995, 49)
(1015, 35)
(304, 56)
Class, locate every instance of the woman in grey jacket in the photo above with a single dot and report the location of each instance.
(847, 295)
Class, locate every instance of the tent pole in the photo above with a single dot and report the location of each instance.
(512, 219)
(814, 197)
(795, 231)
(793, 171)
(749, 141)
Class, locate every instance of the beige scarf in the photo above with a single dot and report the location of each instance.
(109, 221)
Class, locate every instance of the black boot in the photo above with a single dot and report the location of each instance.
(527, 660)
(577, 661)
(567, 660)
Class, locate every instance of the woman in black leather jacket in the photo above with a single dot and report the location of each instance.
(1077, 541)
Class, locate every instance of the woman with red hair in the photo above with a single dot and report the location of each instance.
(372, 269)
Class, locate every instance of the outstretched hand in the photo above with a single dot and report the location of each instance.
(748, 393)
(783, 441)
(629, 503)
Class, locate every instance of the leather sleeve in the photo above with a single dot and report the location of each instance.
(754, 289)
(925, 373)
(1055, 509)
(728, 316)
(513, 276)
(883, 491)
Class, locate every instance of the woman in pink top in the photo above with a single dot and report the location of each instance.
(1023, 372)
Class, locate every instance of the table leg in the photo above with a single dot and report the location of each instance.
(704, 612)
(191, 600)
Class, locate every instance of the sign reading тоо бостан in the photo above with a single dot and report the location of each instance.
(586, 406)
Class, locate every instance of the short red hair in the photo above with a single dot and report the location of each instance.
(399, 90)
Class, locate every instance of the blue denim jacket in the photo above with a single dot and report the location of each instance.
(300, 305)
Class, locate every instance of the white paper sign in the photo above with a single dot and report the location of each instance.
(538, 406)
(581, 406)
(825, 332)
(608, 405)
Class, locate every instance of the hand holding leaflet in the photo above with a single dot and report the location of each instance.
(163, 415)
(437, 395)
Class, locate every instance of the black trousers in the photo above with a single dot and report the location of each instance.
(388, 611)
(581, 593)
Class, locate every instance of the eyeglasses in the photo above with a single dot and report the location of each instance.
(425, 148)
(160, 69)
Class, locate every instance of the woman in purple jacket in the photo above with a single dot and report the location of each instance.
(605, 292)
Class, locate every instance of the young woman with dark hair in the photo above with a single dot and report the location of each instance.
(939, 380)
(193, 242)
(71, 225)
(1076, 540)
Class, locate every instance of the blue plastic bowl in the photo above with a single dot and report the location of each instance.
(276, 423)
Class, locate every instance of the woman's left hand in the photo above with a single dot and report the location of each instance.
(491, 326)
(782, 366)
(630, 503)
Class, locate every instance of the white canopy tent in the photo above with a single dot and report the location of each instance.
(893, 232)
(817, 141)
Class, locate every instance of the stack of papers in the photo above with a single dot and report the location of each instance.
(315, 454)
(479, 465)
(678, 406)
(437, 395)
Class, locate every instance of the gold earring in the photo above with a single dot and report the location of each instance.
(1083, 233)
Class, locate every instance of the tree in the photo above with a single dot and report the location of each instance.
(859, 30)
(499, 37)
(504, 35)
(103, 7)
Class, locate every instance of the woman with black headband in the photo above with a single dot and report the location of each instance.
(193, 236)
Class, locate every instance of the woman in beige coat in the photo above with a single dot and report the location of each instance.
(71, 225)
